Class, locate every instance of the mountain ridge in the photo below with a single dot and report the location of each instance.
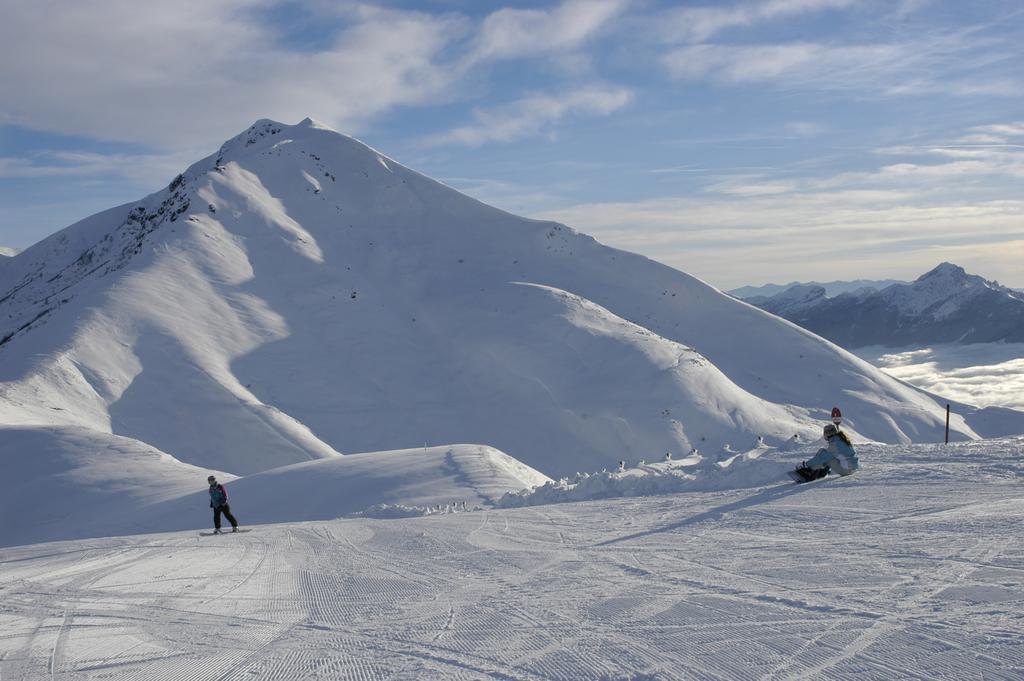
(832, 288)
(943, 305)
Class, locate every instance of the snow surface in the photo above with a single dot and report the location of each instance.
(297, 295)
(911, 568)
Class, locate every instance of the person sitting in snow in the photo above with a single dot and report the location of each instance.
(219, 504)
(838, 456)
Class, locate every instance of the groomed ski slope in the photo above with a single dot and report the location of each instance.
(911, 569)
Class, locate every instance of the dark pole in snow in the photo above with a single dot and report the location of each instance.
(947, 423)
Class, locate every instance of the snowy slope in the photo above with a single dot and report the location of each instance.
(73, 482)
(911, 569)
(298, 295)
(5, 257)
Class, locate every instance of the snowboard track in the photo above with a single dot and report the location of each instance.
(916, 587)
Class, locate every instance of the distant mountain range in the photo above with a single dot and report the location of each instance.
(832, 288)
(945, 305)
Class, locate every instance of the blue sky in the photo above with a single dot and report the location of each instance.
(742, 142)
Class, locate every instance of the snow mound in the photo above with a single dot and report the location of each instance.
(757, 467)
(411, 478)
(72, 483)
(394, 511)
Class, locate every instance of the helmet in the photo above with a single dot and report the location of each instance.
(211, 480)
(830, 430)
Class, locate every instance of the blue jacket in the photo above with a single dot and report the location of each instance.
(218, 496)
(838, 455)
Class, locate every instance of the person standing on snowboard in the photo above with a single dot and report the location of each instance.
(837, 456)
(219, 504)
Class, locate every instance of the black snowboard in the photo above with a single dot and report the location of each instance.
(805, 474)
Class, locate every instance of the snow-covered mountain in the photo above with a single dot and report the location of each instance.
(945, 305)
(832, 288)
(791, 301)
(297, 295)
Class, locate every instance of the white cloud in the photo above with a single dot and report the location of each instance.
(199, 71)
(962, 63)
(806, 62)
(998, 133)
(697, 24)
(805, 128)
(747, 187)
(510, 33)
(530, 115)
(195, 72)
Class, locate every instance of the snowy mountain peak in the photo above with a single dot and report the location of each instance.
(315, 124)
(947, 275)
(946, 270)
(792, 300)
(939, 292)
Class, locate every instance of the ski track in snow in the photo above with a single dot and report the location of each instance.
(902, 571)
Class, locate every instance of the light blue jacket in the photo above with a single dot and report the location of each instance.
(218, 496)
(837, 455)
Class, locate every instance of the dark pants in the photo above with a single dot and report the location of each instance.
(226, 510)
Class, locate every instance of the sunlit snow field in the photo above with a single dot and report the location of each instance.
(981, 374)
(912, 568)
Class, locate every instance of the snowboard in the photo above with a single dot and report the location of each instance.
(210, 534)
(803, 474)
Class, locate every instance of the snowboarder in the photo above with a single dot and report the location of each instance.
(836, 456)
(219, 504)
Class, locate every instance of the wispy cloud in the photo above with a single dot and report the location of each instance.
(916, 67)
(972, 60)
(512, 33)
(698, 24)
(146, 170)
(731, 241)
(532, 114)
